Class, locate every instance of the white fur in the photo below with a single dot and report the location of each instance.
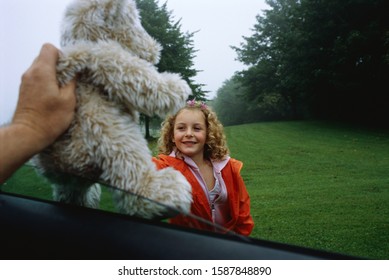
(104, 44)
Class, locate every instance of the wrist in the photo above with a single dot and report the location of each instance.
(30, 139)
(18, 145)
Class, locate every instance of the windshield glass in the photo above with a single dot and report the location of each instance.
(312, 184)
(27, 182)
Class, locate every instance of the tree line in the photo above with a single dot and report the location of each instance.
(305, 59)
(322, 59)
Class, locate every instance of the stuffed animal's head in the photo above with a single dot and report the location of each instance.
(117, 20)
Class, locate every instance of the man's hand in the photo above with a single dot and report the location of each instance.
(43, 106)
(44, 111)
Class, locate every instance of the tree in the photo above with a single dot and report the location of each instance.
(348, 42)
(274, 55)
(178, 48)
(232, 108)
(326, 59)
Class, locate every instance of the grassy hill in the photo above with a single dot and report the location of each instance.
(312, 184)
(316, 184)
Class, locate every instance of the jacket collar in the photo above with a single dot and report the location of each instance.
(218, 165)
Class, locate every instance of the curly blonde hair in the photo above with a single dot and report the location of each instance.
(215, 145)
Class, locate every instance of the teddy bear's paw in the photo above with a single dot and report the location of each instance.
(134, 205)
(176, 89)
(66, 71)
(78, 195)
(73, 59)
(169, 187)
(163, 194)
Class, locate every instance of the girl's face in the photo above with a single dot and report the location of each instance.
(190, 133)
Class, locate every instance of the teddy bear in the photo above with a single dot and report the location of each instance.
(104, 44)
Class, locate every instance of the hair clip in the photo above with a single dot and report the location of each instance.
(196, 104)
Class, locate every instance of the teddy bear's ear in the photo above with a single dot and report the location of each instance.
(116, 20)
(90, 19)
(133, 36)
(112, 11)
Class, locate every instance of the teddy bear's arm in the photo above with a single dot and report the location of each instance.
(125, 77)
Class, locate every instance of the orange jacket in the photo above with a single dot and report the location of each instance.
(241, 221)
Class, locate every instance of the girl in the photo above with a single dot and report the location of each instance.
(193, 142)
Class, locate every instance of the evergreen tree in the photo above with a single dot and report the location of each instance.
(326, 59)
(178, 48)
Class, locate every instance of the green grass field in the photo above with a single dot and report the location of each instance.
(317, 185)
(313, 184)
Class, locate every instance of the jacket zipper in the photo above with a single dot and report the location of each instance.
(213, 210)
